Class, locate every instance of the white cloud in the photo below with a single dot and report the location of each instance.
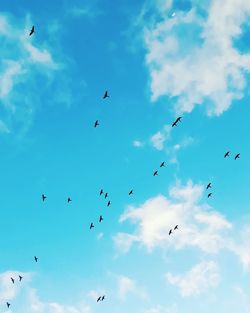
(194, 58)
(126, 286)
(138, 144)
(159, 138)
(201, 277)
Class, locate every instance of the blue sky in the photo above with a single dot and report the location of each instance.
(159, 60)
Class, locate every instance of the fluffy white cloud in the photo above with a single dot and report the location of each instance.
(201, 277)
(126, 286)
(138, 143)
(194, 58)
(159, 138)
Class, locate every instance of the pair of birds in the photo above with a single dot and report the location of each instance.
(101, 298)
(209, 186)
(171, 231)
(13, 280)
(175, 123)
(227, 155)
(45, 197)
(92, 224)
(162, 165)
(106, 95)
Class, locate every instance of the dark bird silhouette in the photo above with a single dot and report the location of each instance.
(8, 304)
(209, 186)
(178, 119)
(69, 200)
(91, 226)
(96, 123)
(106, 95)
(237, 156)
(13, 280)
(209, 195)
(176, 227)
(36, 258)
(174, 123)
(99, 299)
(162, 164)
(131, 192)
(20, 277)
(226, 154)
(103, 297)
(32, 30)
(101, 192)
(43, 197)
(155, 173)
(108, 203)
(170, 232)
(106, 195)
(100, 218)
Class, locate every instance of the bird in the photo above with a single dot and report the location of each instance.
(155, 173)
(20, 277)
(69, 200)
(131, 192)
(8, 304)
(13, 280)
(209, 195)
(226, 154)
(32, 30)
(209, 186)
(237, 156)
(100, 218)
(178, 119)
(162, 164)
(99, 299)
(106, 195)
(106, 95)
(108, 203)
(101, 192)
(96, 123)
(103, 297)
(170, 232)
(176, 227)
(36, 258)
(43, 197)
(91, 226)
(174, 124)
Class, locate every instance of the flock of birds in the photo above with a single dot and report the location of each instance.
(44, 197)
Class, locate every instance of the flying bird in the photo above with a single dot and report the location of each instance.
(101, 192)
(176, 227)
(162, 164)
(36, 258)
(106, 195)
(108, 203)
(43, 197)
(178, 119)
(106, 95)
(69, 200)
(8, 304)
(20, 277)
(32, 30)
(170, 232)
(91, 226)
(131, 192)
(155, 173)
(174, 123)
(237, 156)
(99, 299)
(103, 297)
(209, 195)
(100, 218)
(209, 186)
(226, 154)
(96, 123)
(13, 280)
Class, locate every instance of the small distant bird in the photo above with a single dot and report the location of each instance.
(69, 200)
(226, 154)
(8, 304)
(131, 192)
(108, 203)
(170, 232)
(162, 164)
(101, 192)
(32, 30)
(106, 95)
(99, 299)
(209, 195)
(209, 186)
(178, 119)
(100, 218)
(20, 277)
(155, 173)
(237, 156)
(43, 197)
(36, 258)
(13, 280)
(176, 227)
(174, 124)
(91, 226)
(106, 195)
(103, 297)
(96, 123)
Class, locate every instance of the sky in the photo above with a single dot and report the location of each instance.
(159, 60)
